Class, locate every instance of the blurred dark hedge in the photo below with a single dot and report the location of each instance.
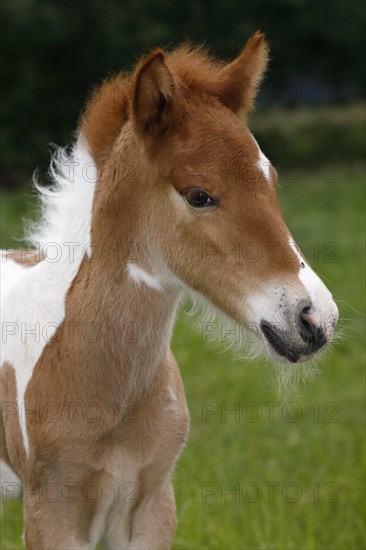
(53, 52)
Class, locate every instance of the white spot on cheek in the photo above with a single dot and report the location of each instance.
(139, 275)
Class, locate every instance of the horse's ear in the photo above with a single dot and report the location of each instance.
(151, 93)
(240, 79)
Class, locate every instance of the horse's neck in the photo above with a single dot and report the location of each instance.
(135, 311)
(133, 325)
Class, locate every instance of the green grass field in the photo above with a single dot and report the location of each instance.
(252, 480)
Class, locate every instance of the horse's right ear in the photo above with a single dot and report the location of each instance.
(151, 94)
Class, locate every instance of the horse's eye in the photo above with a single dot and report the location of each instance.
(198, 198)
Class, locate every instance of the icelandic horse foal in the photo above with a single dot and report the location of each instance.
(94, 412)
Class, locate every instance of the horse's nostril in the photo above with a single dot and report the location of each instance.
(310, 317)
(311, 329)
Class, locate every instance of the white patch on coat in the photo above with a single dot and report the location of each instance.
(139, 275)
(32, 298)
(306, 275)
(263, 163)
(10, 277)
(318, 293)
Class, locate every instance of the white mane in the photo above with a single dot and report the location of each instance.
(67, 205)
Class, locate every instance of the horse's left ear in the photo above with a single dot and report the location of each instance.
(240, 79)
(151, 94)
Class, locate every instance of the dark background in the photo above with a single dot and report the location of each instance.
(53, 53)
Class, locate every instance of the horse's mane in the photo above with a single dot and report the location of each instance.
(66, 205)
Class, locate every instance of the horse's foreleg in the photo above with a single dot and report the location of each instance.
(52, 523)
(152, 524)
